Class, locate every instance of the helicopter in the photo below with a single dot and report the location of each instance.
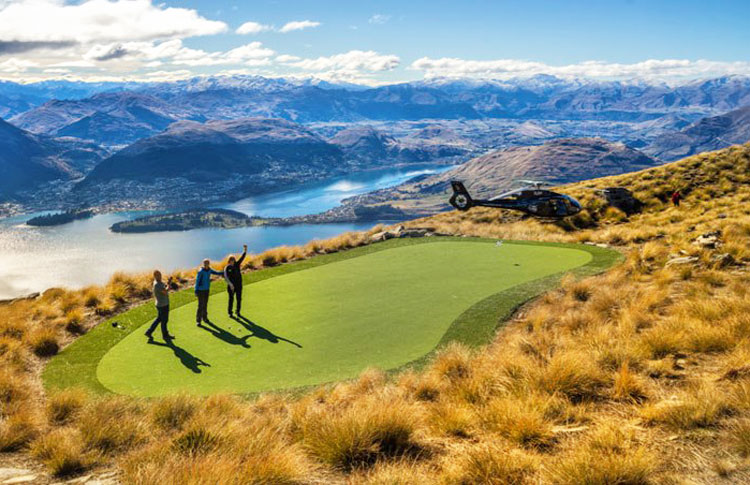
(532, 200)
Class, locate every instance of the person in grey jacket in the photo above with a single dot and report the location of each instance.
(161, 299)
(202, 290)
(233, 276)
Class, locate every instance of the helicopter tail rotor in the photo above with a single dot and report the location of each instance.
(460, 199)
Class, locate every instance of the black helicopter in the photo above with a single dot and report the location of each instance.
(533, 200)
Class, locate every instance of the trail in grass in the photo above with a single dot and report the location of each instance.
(329, 322)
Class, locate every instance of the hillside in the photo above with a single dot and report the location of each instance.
(220, 149)
(192, 164)
(371, 147)
(707, 134)
(27, 160)
(638, 376)
(557, 162)
(116, 118)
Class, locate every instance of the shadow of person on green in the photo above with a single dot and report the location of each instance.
(186, 358)
(262, 333)
(222, 334)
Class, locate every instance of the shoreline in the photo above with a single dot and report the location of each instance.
(11, 209)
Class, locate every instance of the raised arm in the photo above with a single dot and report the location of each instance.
(242, 258)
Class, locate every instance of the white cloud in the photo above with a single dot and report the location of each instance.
(507, 68)
(353, 66)
(298, 25)
(352, 61)
(15, 65)
(100, 21)
(155, 54)
(379, 19)
(251, 28)
(286, 58)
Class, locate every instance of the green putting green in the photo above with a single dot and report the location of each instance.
(383, 307)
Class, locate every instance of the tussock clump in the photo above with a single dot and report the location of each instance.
(452, 419)
(73, 321)
(196, 441)
(607, 456)
(44, 342)
(14, 393)
(521, 421)
(362, 434)
(628, 386)
(63, 452)
(453, 362)
(573, 374)
(17, 431)
(63, 406)
(173, 412)
(14, 355)
(492, 464)
(112, 425)
(700, 406)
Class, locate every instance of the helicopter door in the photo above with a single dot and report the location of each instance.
(545, 209)
(560, 209)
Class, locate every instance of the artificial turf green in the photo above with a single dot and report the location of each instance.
(325, 319)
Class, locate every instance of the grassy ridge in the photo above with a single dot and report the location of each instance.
(636, 376)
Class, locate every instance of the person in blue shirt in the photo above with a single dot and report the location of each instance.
(202, 289)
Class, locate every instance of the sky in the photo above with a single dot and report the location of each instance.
(373, 42)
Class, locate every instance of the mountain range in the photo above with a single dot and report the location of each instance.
(711, 133)
(144, 109)
(272, 132)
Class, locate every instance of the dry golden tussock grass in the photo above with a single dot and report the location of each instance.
(606, 380)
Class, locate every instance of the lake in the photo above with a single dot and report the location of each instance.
(86, 252)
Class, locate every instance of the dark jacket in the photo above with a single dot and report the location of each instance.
(233, 273)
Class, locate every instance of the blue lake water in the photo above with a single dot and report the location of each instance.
(86, 252)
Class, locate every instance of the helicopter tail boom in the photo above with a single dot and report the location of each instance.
(460, 199)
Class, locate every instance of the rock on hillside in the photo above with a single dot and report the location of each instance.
(707, 134)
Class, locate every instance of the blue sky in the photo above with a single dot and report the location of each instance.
(373, 42)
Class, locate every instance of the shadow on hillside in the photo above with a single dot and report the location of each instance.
(186, 358)
(262, 333)
(222, 334)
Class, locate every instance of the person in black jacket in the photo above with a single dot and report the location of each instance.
(233, 275)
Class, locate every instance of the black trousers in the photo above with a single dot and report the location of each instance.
(202, 313)
(162, 317)
(237, 291)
